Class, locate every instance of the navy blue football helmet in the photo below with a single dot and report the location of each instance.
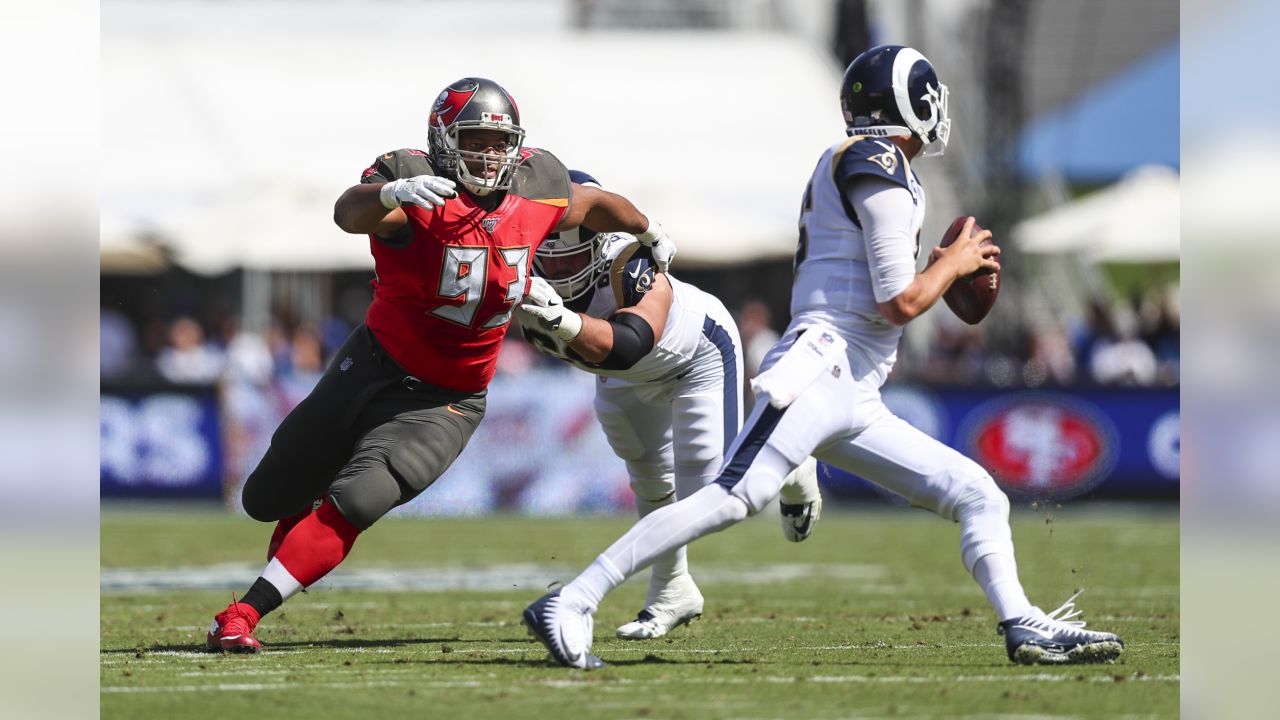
(893, 90)
(571, 261)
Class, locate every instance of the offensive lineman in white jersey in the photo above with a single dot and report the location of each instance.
(669, 361)
(819, 388)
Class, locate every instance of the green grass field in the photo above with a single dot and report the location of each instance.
(873, 616)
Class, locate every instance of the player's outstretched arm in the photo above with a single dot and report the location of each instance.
(614, 344)
(604, 211)
(360, 212)
(619, 342)
(375, 208)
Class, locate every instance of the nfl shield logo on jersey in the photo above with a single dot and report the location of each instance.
(490, 223)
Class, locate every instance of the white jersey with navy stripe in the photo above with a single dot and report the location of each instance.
(834, 284)
(630, 273)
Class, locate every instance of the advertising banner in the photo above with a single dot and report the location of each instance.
(160, 442)
(540, 449)
(1048, 445)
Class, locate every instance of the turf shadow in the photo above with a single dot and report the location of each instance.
(336, 644)
(660, 660)
(446, 659)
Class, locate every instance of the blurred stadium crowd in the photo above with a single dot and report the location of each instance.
(1131, 341)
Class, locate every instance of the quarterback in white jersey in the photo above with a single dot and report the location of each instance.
(669, 396)
(856, 285)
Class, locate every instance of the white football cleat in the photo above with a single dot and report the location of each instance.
(564, 627)
(800, 501)
(1057, 638)
(677, 604)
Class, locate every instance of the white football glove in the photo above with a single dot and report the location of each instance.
(425, 191)
(663, 248)
(544, 305)
(541, 293)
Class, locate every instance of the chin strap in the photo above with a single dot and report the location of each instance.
(477, 190)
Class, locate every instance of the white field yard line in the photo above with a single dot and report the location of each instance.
(379, 626)
(523, 577)
(433, 650)
(932, 646)
(419, 683)
(362, 605)
(718, 621)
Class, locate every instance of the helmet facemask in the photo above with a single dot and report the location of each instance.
(934, 130)
(453, 159)
(570, 261)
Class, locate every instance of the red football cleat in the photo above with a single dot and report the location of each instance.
(232, 630)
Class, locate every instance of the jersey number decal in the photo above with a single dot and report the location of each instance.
(463, 275)
(517, 258)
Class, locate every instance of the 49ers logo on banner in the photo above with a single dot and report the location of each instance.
(1042, 446)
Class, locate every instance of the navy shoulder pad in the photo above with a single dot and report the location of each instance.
(402, 163)
(869, 156)
(632, 274)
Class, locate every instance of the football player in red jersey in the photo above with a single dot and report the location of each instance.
(452, 232)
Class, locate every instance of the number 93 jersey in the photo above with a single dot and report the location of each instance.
(630, 271)
(834, 282)
(446, 284)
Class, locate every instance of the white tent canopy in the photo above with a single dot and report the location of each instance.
(128, 250)
(272, 227)
(1232, 181)
(230, 134)
(1135, 220)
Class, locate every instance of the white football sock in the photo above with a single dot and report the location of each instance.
(709, 510)
(279, 577)
(998, 576)
(668, 565)
(594, 583)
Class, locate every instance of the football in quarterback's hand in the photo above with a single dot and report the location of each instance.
(972, 296)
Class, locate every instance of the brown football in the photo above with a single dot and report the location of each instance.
(971, 297)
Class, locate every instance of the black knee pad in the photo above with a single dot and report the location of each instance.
(262, 498)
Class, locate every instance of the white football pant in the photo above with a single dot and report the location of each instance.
(839, 418)
(672, 434)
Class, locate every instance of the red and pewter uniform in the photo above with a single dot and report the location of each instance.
(447, 283)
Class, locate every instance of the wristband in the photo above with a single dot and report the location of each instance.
(650, 234)
(570, 326)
